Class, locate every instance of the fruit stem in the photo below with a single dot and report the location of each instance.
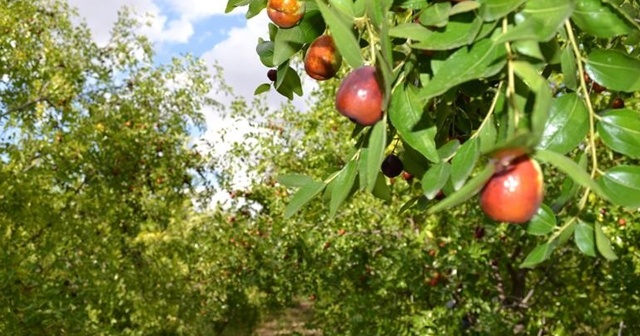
(592, 114)
(511, 87)
(492, 108)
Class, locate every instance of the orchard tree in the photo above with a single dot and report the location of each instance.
(530, 106)
(101, 190)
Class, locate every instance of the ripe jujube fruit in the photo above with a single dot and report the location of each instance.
(514, 193)
(391, 166)
(272, 74)
(285, 13)
(322, 60)
(359, 96)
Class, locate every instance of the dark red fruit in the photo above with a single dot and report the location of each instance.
(407, 176)
(359, 96)
(322, 60)
(392, 166)
(272, 75)
(617, 103)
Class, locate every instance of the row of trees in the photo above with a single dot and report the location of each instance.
(107, 226)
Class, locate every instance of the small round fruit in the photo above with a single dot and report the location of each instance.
(407, 176)
(514, 193)
(272, 75)
(617, 103)
(322, 60)
(392, 166)
(285, 13)
(359, 96)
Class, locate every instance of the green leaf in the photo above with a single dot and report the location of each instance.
(567, 125)
(345, 7)
(294, 180)
(568, 229)
(539, 20)
(289, 41)
(585, 238)
(381, 189)
(463, 163)
(569, 68)
(435, 178)
(262, 88)
(483, 59)
(232, 4)
(569, 187)
(599, 19)
(543, 222)
(406, 114)
(603, 244)
(540, 87)
(342, 186)
(375, 153)
(539, 254)
(470, 189)
(302, 197)
(622, 185)
(614, 70)
(255, 7)
(436, 15)
(620, 131)
(448, 150)
(461, 30)
(463, 7)
(343, 35)
(265, 52)
(288, 81)
(488, 135)
(491, 10)
(569, 167)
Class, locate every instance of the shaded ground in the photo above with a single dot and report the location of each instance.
(290, 322)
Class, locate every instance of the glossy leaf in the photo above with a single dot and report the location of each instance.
(622, 185)
(488, 135)
(539, 20)
(381, 189)
(585, 238)
(620, 131)
(539, 254)
(470, 189)
(375, 153)
(342, 34)
(463, 163)
(614, 70)
(491, 10)
(255, 8)
(569, 187)
(294, 180)
(485, 58)
(265, 51)
(567, 125)
(436, 15)
(288, 81)
(543, 222)
(603, 244)
(542, 92)
(289, 41)
(599, 19)
(435, 178)
(345, 7)
(569, 167)
(449, 149)
(412, 124)
(569, 68)
(464, 7)
(461, 30)
(342, 186)
(302, 197)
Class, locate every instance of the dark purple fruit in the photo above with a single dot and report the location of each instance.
(392, 166)
(272, 75)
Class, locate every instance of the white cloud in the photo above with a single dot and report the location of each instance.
(195, 9)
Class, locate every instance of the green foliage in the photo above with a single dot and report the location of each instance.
(463, 82)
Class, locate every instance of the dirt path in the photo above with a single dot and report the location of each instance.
(291, 322)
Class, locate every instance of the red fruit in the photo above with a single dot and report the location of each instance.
(359, 96)
(285, 13)
(597, 88)
(514, 193)
(407, 176)
(622, 222)
(322, 60)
